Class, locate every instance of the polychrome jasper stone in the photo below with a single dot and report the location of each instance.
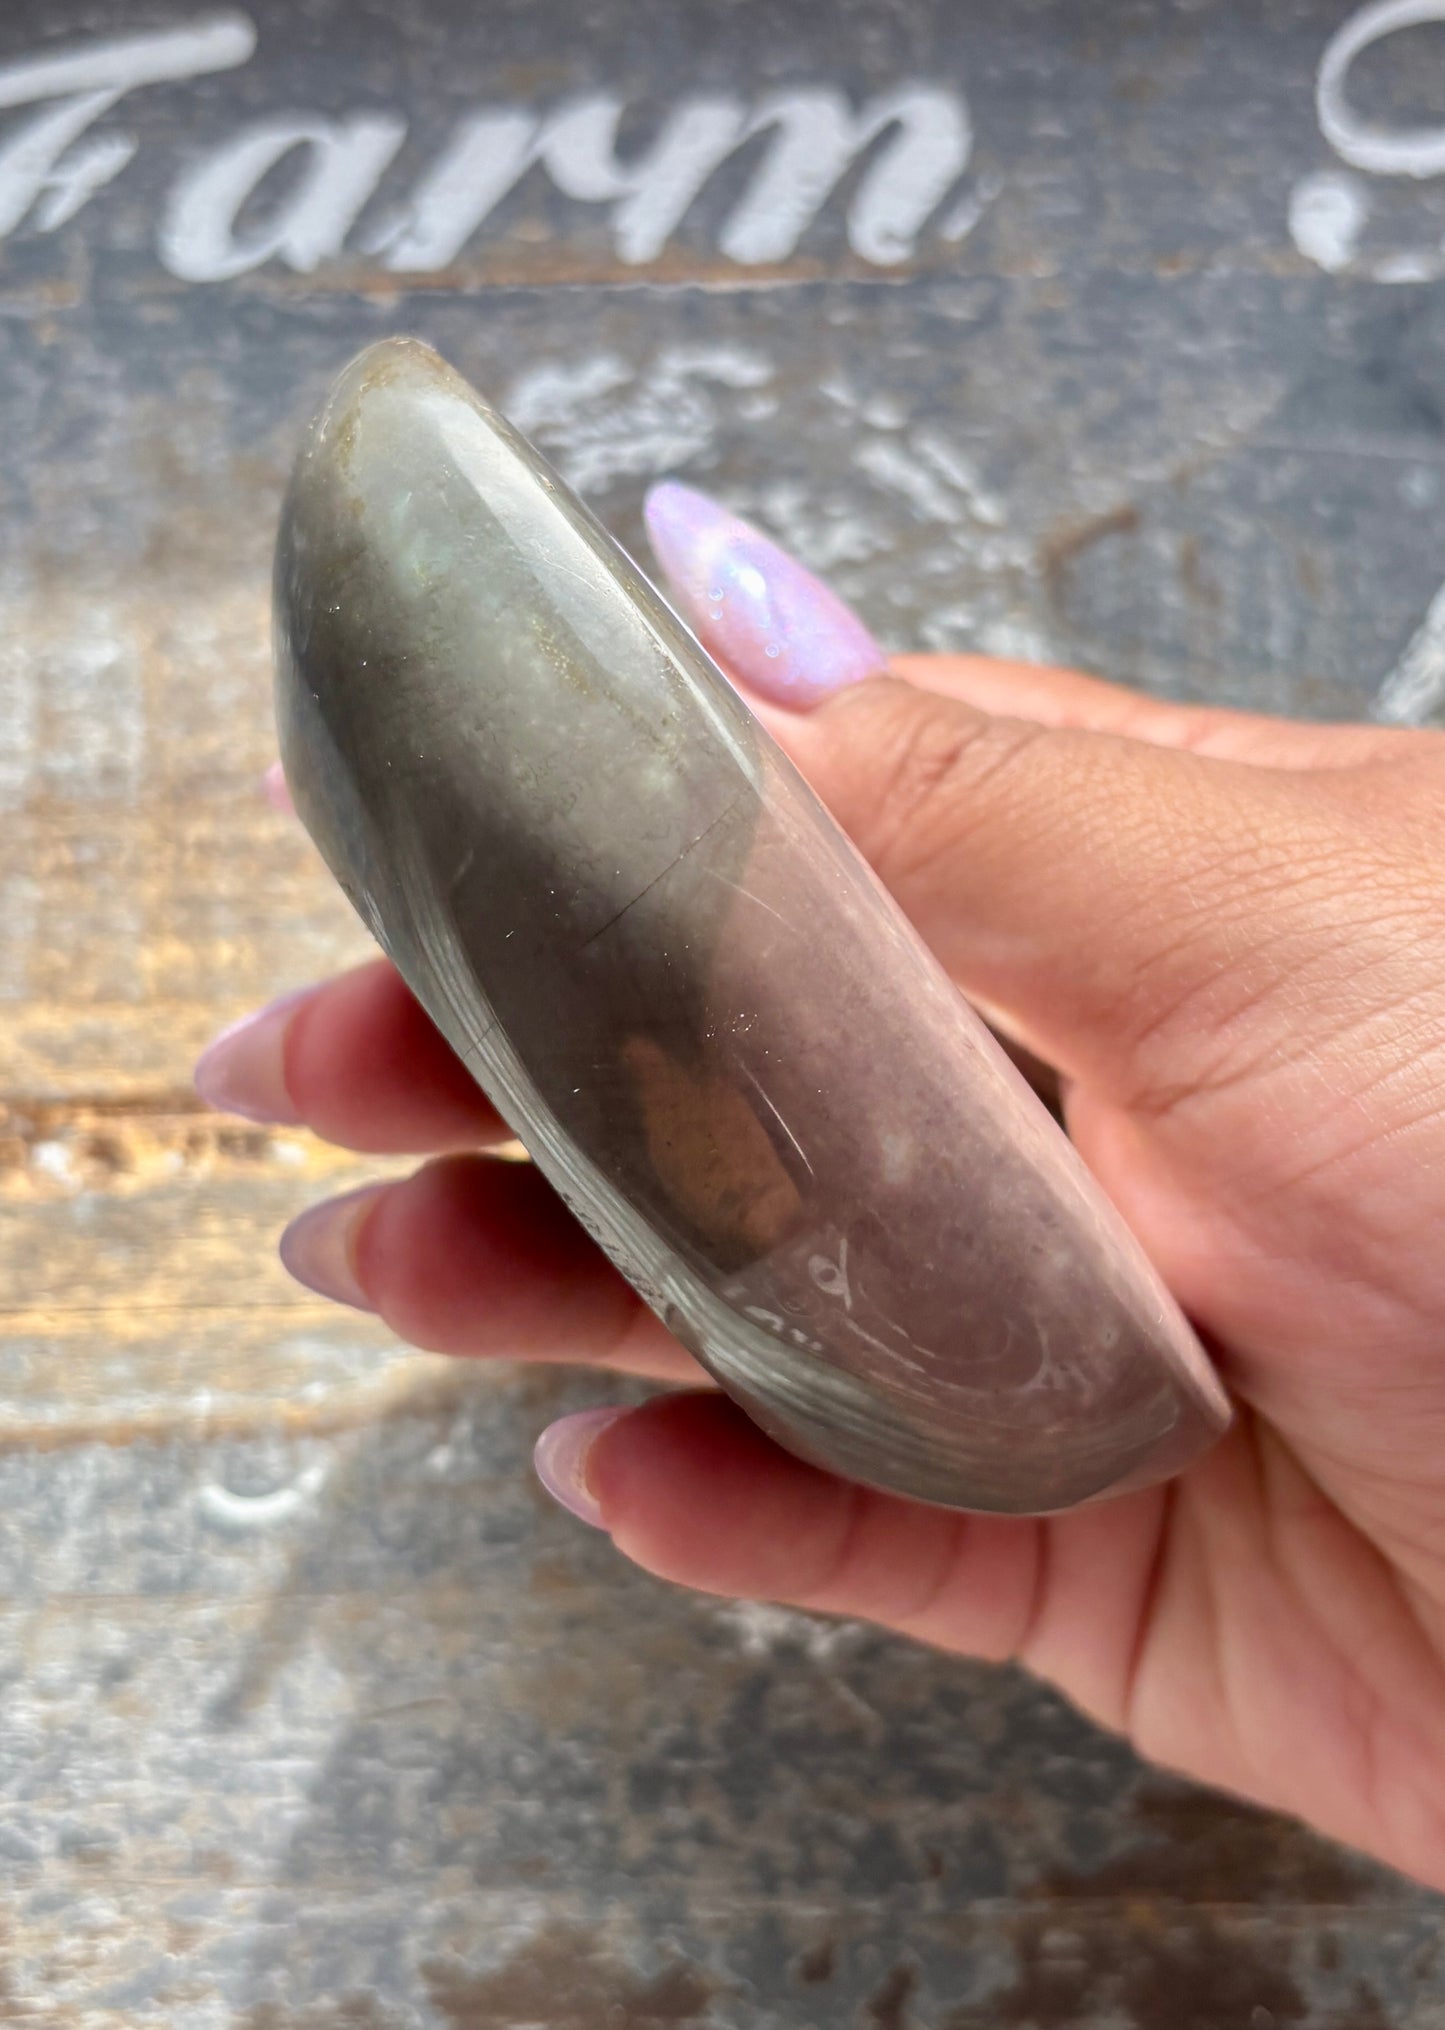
(713, 1030)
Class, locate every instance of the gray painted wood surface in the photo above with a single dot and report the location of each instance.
(312, 1712)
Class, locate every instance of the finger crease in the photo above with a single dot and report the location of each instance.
(1038, 1595)
(824, 1593)
(953, 1540)
(1129, 1691)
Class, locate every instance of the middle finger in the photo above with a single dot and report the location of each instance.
(357, 1060)
(479, 1257)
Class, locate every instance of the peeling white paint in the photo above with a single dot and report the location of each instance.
(230, 1511)
(55, 1160)
(762, 1629)
(601, 419)
(1415, 687)
(1327, 214)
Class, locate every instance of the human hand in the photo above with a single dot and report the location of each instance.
(1228, 935)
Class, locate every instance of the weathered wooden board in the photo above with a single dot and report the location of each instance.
(1124, 343)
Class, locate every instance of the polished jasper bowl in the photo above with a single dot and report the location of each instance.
(713, 1030)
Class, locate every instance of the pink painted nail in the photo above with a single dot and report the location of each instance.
(561, 1460)
(753, 608)
(242, 1071)
(276, 791)
(319, 1246)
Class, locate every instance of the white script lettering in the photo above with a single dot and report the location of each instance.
(41, 168)
(342, 163)
(816, 139)
(1330, 210)
(294, 188)
(1417, 151)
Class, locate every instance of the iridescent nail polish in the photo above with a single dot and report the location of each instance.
(318, 1247)
(560, 1460)
(716, 1034)
(754, 607)
(274, 789)
(242, 1071)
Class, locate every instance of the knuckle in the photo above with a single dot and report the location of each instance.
(937, 772)
(401, 1254)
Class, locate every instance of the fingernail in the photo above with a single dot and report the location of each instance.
(561, 1461)
(319, 1246)
(276, 791)
(753, 608)
(242, 1071)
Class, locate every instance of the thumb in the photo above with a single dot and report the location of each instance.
(1102, 893)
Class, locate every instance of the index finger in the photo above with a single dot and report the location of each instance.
(357, 1060)
(1068, 698)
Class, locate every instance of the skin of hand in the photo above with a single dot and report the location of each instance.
(1228, 934)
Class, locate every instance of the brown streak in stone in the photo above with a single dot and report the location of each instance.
(1140, 1972)
(887, 2007)
(819, 1963)
(349, 2012)
(1062, 549)
(566, 1977)
(1216, 1850)
(514, 265)
(1145, 1935)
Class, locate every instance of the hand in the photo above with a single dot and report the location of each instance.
(1228, 935)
